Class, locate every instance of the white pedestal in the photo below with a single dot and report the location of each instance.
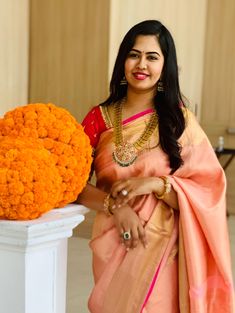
(33, 261)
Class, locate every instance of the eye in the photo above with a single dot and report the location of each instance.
(152, 57)
(133, 55)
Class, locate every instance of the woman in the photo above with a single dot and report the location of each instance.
(160, 241)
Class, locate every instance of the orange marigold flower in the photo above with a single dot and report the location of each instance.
(31, 167)
(48, 143)
(3, 190)
(42, 132)
(3, 176)
(62, 137)
(27, 198)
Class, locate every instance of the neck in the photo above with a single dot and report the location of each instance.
(138, 102)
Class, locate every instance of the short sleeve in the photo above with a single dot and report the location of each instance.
(94, 125)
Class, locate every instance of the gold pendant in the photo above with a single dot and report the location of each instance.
(125, 154)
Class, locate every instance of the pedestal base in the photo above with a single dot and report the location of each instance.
(33, 261)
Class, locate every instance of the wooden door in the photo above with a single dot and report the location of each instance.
(69, 53)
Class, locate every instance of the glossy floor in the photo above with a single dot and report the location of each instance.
(79, 270)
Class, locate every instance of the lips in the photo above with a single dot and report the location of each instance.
(140, 76)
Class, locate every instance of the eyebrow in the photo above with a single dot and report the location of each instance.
(150, 52)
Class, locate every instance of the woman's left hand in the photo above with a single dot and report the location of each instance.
(125, 190)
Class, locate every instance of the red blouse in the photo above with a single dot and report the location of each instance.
(94, 125)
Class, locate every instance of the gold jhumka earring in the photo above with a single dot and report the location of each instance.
(123, 81)
(160, 86)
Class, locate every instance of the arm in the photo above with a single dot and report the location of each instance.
(141, 186)
(170, 198)
(94, 125)
(92, 197)
(125, 218)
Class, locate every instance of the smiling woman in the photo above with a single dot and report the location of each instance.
(157, 200)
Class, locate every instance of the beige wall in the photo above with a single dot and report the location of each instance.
(14, 32)
(185, 19)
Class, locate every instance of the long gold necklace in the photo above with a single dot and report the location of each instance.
(125, 153)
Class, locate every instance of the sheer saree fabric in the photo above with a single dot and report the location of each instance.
(186, 266)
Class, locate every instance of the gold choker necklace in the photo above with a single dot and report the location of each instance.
(125, 153)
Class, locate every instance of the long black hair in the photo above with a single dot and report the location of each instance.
(168, 102)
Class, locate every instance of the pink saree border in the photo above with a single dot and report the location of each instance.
(151, 286)
(162, 262)
(138, 115)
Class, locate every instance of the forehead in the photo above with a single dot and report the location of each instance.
(146, 43)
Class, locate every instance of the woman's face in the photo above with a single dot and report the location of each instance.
(144, 64)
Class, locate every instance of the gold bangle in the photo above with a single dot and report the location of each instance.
(167, 187)
(106, 205)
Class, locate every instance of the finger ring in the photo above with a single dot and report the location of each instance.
(126, 235)
(124, 192)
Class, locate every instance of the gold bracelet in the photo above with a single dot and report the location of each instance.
(106, 205)
(167, 187)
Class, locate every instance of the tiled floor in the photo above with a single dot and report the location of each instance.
(79, 270)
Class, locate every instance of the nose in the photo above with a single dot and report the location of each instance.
(142, 63)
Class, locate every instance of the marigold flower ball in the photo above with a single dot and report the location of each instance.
(61, 135)
(24, 192)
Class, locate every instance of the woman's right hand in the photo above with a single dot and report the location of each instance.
(127, 220)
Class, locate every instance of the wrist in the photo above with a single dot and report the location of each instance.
(157, 185)
(108, 205)
(124, 207)
(165, 187)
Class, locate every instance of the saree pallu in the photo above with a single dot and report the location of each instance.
(186, 266)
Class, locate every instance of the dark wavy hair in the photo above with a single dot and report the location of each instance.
(167, 103)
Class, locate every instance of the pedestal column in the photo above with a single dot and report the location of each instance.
(33, 261)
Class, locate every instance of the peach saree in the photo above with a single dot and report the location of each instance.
(186, 266)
